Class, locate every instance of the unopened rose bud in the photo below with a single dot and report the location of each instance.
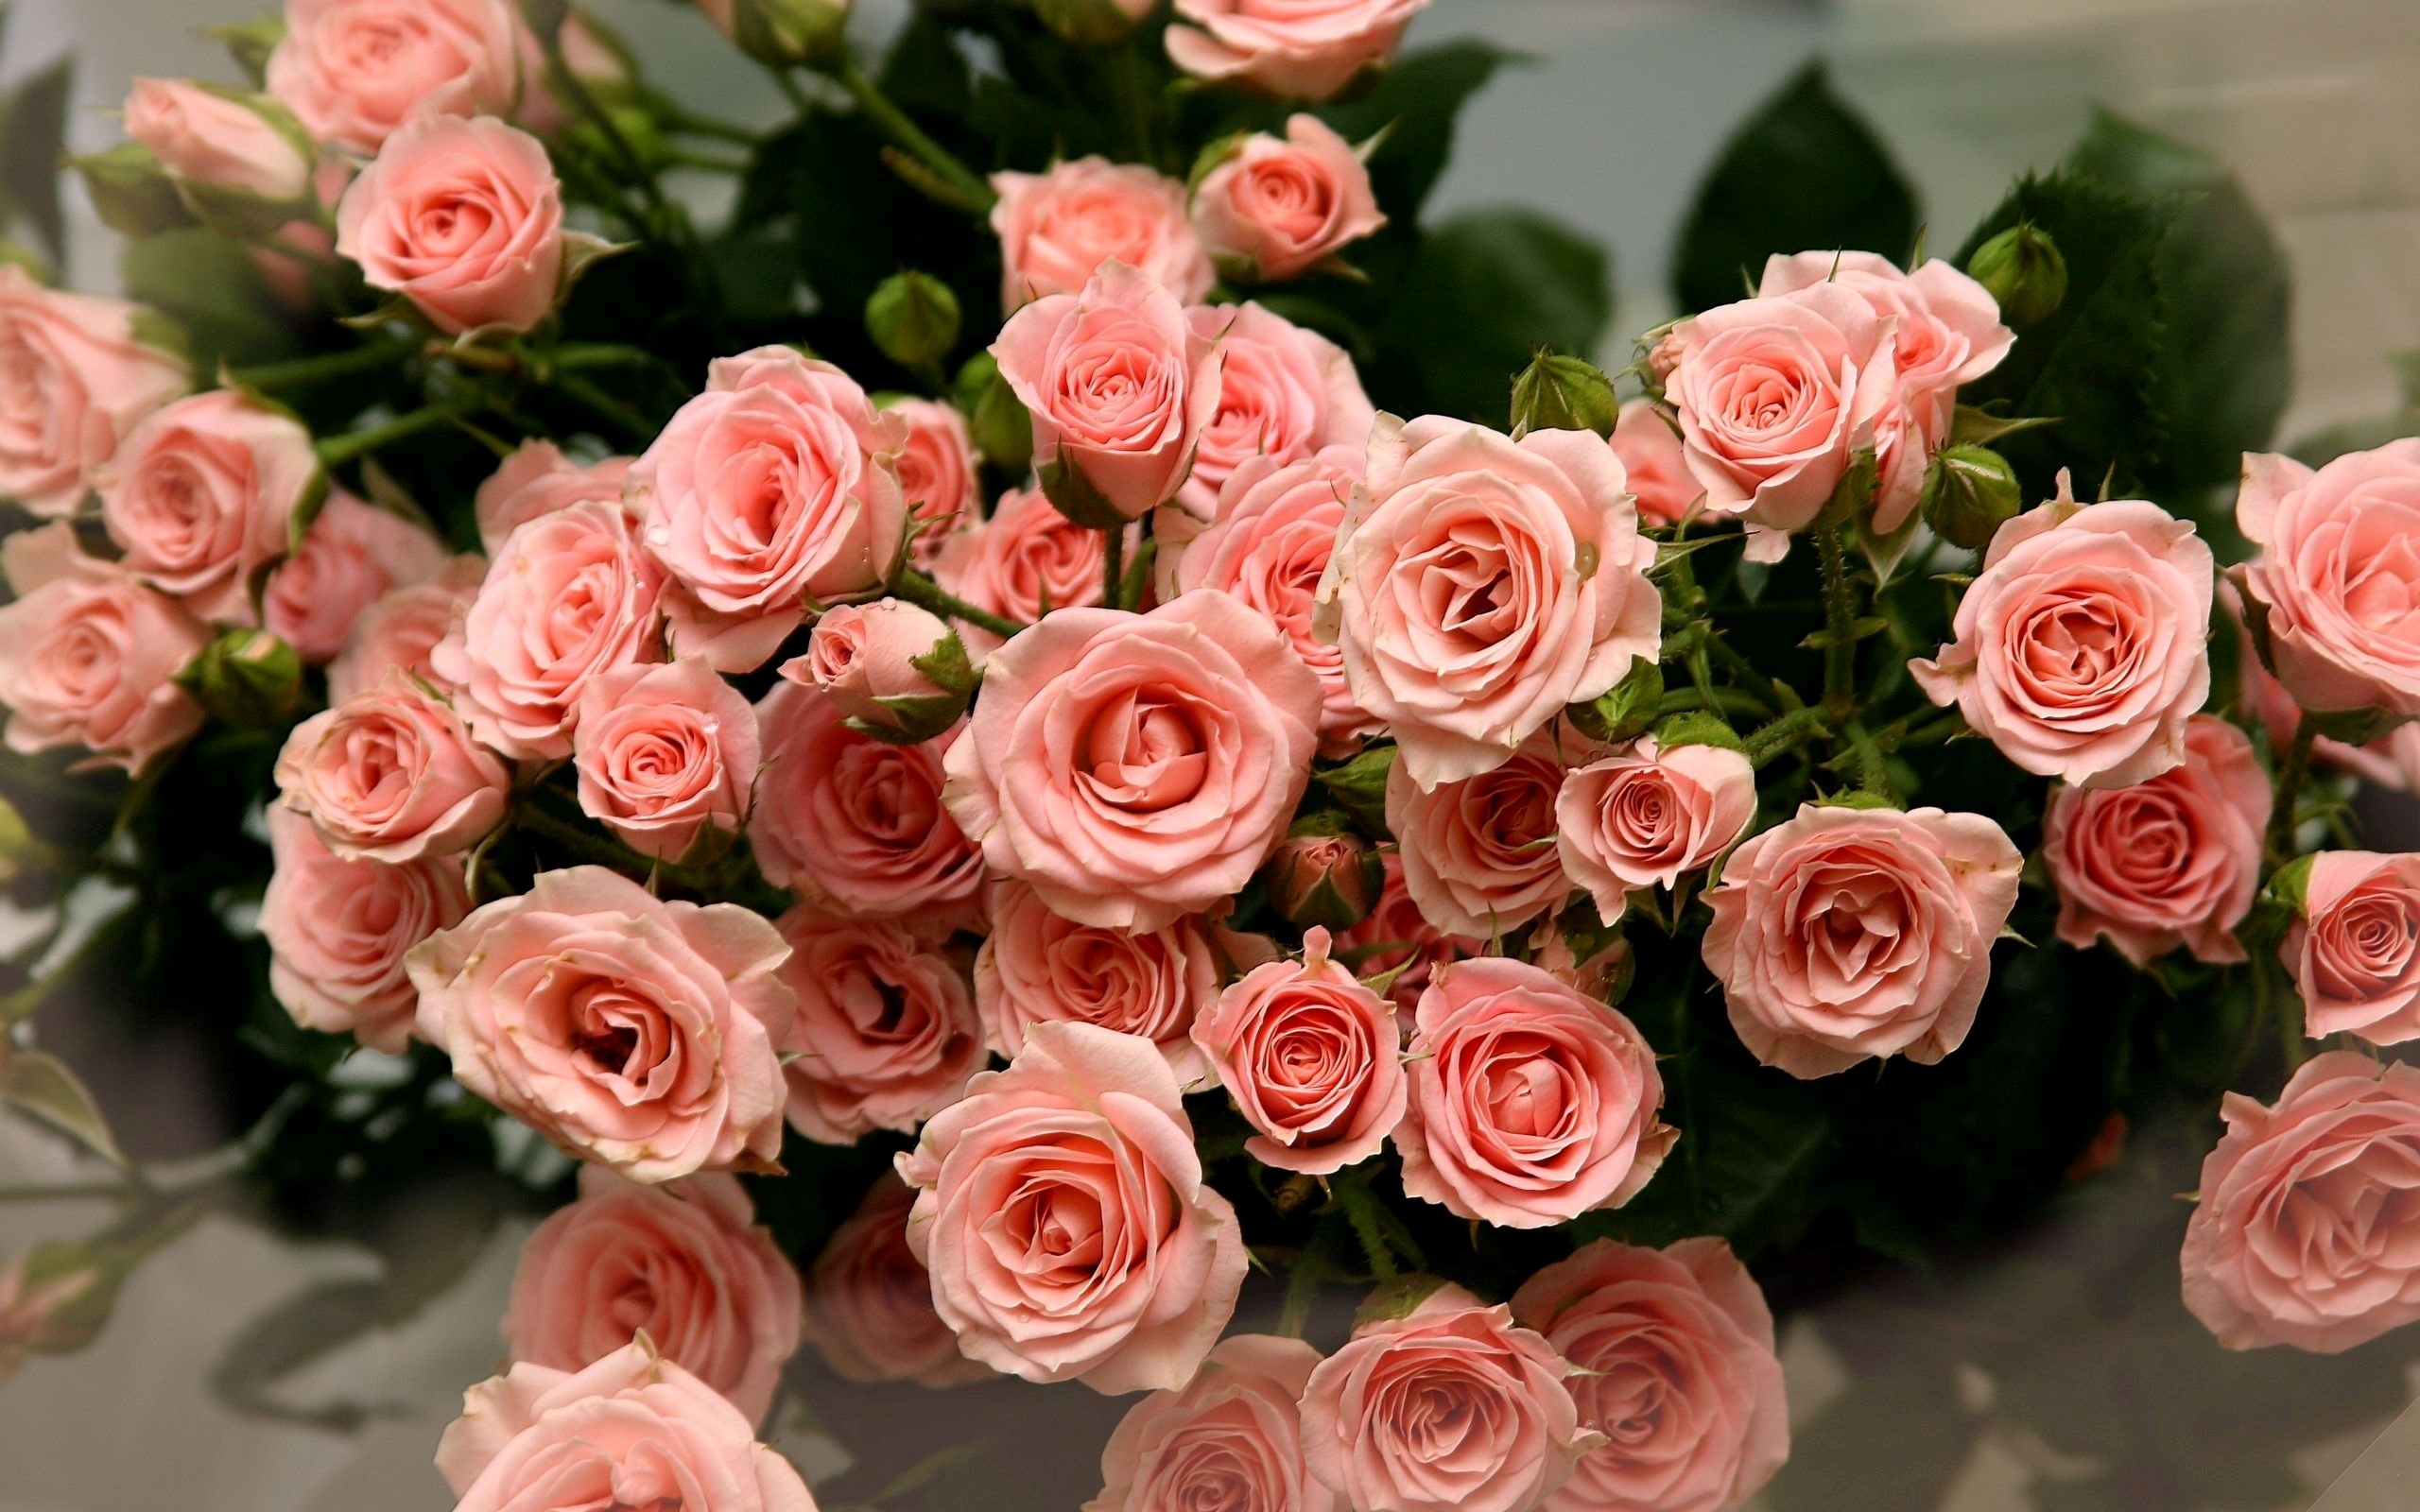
(2023, 270)
(53, 1300)
(1090, 22)
(782, 33)
(913, 319)
(243, 162)
(1626, 708)
(898, 672)
(130, 192)
(249, 680)
(1969, 493)
(1560, 393)
(1324, 881)
(995, 418)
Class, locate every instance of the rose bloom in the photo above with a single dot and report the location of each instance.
(1062, 1212)
(937, 474)
(1312, 1058)
(205, 137)
(864, 658)
(1658, 473)
(2082, 643)
(401, 629)
(852, 822)
(1479, 855)
(1644, 818)
(356, 72)
(1056, 229)
(1303, 49)
(634, 1429)
(2391, 761)
(1280, 208)
(462, 218)
(393, 775)
(1398, 937)
(338, 930)
(870, 1303)
(1232, 1440)
(2337, 578)
(2169, 862)
(1851, 932)
(886, 1033)
(1037, 967)
(1134, 767)
(538, 479)
(201, 494)
(1284, 393)
(2301, 1235)
(1674, 1357)
(775, 488)
(1027, 558)
(2355, 947)
(1450, 1409)
(666, 756)
(78, 379)
(635, 1033)
(353, 556)
(87, 655)
(1482, 584)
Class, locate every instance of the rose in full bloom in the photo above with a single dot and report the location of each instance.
(79, 380)
(87, 654)
(354, 555)
(1652, 461)
(201, 494)
(937, 474)
(665, 755)
(1025, 558)
(1062, 1212)
(634, 1428)
(2169, 862)
(1645, 817)
(1056, 229)
(1479, 855)
(538, 479)
(1284, 393)
(1134, 767)
(338, 930)
(1303, 49)
(1850, 933)
(864, 658)
(1037, 967)
(2082, 643)
(687, 1264)
(1398, 937)
(357, 71)
(1482, 584)
(1673, 1353)
(1312, 1058)
(2355, 946)
(1231, 1439)
(1278, 207)
(638, 1034)
(886, 1033)
(220, 141)
(2337, 583)
(870, 1303)
(393, 775)
(402, 627)
(462, 218)
(2302, 1233)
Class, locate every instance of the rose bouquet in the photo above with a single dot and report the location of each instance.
(1068, 700)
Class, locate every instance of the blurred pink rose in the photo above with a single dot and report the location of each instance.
(79, 380)
(1398, 937)
(462, 218)
(356, 72)
(393, 775)
(211, 137)
(886, 1033)
(870, 1303)
(666, 756)
(1231, 1440)
(1658, 474)
(1282, 207)
(864, 658)
(1312, 1058)
(2336, 577)
(1037, 967)
(1302, 49)
(1643, 817)
(1057, 229)
(2355, 947)
(354, 555)
(291, 283)
(538, 479)
(1479, 855)
(338, 930)
(402, 627)
(937, 474)
(200, 496)
(87, 652)
(1285, 393)
(1025, 558)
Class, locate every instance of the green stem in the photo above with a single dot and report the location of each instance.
(893, 122)
(338, 450)
(932, 186)
(574, 387)
(2291, 774)
(705, 162)
(1113, 564)
(366, 358)
(679, 117)
(1865, 757)
(1784, 735)
(20, 1005)
(573, 357)
(1839, 624)
(921, 591)
(568, 85)
(1727, 701)
(799, 98)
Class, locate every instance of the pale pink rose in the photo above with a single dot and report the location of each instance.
(354, 555)
(1312, 1058)
(87, 654)
(639, 1033)
(2355, 947)
(402, 627)
(1061, 1212)
(1644, 818)
(1037, 967)
(1134, 767)
(1284, 393)
(886, 1033)
(1302, 49)
(356, 72)
(666, 756)
(201, 494)
(393, 775)
(338, 930)
(2169, 862)
(870, 1303)
(864, 658)
(937, 474)
(852, 822)
(570, 597)
(1851, 932)
(776, 490)
(1658, 473)
(633, 1428)
(78, 379)
(2337, 578)
(1673, 1358)
(1232, 1440)
(1482, 584)
(1280, 208)
(1398, 937)
(1479, 855)
(686, 1265)
(1026, 559)
(538, 479)
(210, 137)
(462, 218)
(1531, 1103)
(1452, 1408)
(2082, 643)
(2391, 761)
(2302, 1233)
(1057, 229)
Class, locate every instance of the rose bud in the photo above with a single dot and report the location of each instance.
(913, 319)
(899, 673)
(130, 192)
(243, 161)
(1324, 881)
(996, 417)
(780, 33)
(246, 678)
(2022, 268)
(1969, 493)
(1560, 393)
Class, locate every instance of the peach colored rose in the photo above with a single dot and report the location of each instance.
(1232, 1440)
(2301, 1235)
(1284, 393)
(217, 139)
(1312, 1058)
(462, 218)
(1645, 817)
(538, 479)
(1482, 584)
(1658, 474)
(1302, 49)
(393, 775)
(2337, 579)
(354, 555)
(1280, 208)
(402, 627)
(87, 654)
(356, 72)
(870, 1303)
(886, 1033)
(201, 494)
(666, 756)
(1057, 229)
(1037, 967)
(338, 930)
(78, 379)
(937, 474)
(638, 1034)
(2355, 947)
(1673, 1355)
(2391, 761)
(1134, 767)
(1850, 933)
(1398, 937)
(2169, 862)
(1479, 855)
(1026, 559)
(1062, 1212)
(864, 659)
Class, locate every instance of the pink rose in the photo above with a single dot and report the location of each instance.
(1281, 208)
(201, 494)
(338, 930)
(865, 658)
(634, 1428)
(1450, 1409)
(2301, 1233)
(2336, 576)
(1134, 767)
(538, 479)
(2169, 862)
(886, 1033)
(937, 474)
(1658, 472)
(1850, 933)
(1027, 558)
(666, 756)
(1057, 229)
(686, 1265)
(357, 71)
(639, 1033)
(1646, 817)
(2355, 947)
(1482, 584)
(870, 1303)
(87, 655)
(1479, 856)
(2082, 643)
(1312, 1058)
(219, 140)
(393, 775)
(1303, 49)
(79, 380)
(1062, 1212)
(462, 218)
(2391, 761)
(1531, 1103)
(1037, 968)
(1284, 394)
(1398, 937)
(401, 628)
(776, 489)
(353, 556)
(1231, 1439)
(1674, 1364)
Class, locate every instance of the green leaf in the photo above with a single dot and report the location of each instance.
(31, 143)
(1416, 102)
(1514, 282)
(926, 74)
(210, 285)
(43, 1085)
